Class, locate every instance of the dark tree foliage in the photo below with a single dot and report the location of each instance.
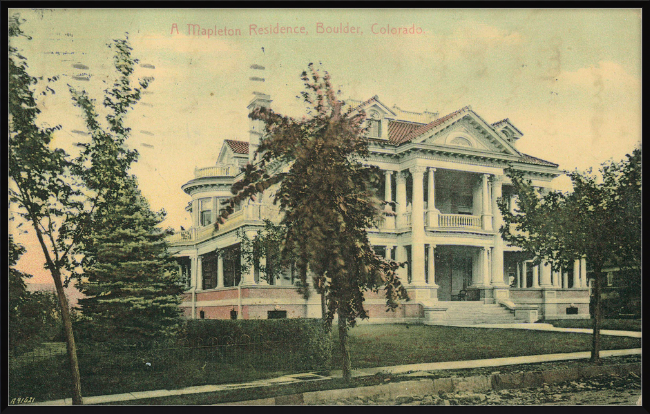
(600, 221)
(41, 187)
(131, 282)
(329, 199)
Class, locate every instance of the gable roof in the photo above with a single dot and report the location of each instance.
(504, 122)
(357, 105)
(238, 147)
(397, 130)
(427, 127)
(534, 160)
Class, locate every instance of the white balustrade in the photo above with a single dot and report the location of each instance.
(458, 220)
(216, 171)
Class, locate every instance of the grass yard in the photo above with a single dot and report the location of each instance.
(386, 345)
(616, 324)
(370, 346)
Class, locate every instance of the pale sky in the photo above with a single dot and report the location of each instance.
(570, 80)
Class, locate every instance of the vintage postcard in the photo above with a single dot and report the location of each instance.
(351, 166)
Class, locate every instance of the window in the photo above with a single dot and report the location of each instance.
(209, 270)
(232, 266)
(205, 211)
(374, 128)
(201, 315)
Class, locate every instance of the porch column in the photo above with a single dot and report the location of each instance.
(388, 190)
(400, 196)
(387, 254)
(219, 270)
(417, 231)
(248, 278)
(193, 272)
(199, 273)
(513, 202)
(260, 279)
(400, 256)
(497, 257)
(557, 278)
(536, 276)
(486, 217)
(432, 265)
(576, 273)
(518, 266)
(432, 217)
(545, 275)
(524, 275)
(583, 272)
(486, 267)
(565, 279)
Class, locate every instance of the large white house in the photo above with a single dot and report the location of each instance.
(443, 176)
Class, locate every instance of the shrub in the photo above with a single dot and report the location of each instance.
(306, 340)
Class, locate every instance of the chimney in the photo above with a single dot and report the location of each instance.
(256, 126)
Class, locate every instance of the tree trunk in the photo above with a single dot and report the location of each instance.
(323, 306)
(67, 321)
(345, 353)
(595, 349)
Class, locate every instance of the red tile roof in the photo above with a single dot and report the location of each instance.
(533, 160)
(238, 147)
(424, 128)
(397, 130)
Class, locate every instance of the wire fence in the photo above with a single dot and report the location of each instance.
(160, 365)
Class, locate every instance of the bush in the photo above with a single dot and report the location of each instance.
(305, 339)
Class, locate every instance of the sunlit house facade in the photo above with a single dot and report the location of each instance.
(442, 177)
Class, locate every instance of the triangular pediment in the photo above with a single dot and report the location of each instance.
(466, 131)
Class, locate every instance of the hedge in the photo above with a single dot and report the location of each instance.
(307, 337)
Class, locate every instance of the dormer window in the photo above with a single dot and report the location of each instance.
(374, 125)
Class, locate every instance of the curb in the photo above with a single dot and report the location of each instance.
(478, 383)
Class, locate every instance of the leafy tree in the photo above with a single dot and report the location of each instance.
(33, 317)
(42, 188)
(130, 280)
(264, 251)
(329, 200)
(599, 220)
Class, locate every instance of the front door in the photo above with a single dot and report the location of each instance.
(453, 274)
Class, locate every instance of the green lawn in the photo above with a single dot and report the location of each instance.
(616, 324)
(386, 345)
(370, 346)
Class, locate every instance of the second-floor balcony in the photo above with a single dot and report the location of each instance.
(217, 171)
(253, 212)
(449, 221)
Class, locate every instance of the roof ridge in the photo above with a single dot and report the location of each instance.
(439, 121)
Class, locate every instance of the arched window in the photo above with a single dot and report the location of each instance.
(461, 142)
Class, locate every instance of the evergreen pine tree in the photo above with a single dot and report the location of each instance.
(130, 279)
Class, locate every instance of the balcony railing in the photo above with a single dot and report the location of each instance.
(216, 171)
(251, 212)
(459, 220)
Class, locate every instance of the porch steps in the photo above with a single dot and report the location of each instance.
(475, 313)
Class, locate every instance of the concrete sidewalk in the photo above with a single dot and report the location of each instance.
(398, 369)
(551, 328)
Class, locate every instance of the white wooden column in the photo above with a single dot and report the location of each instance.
(400, 256)
(417, 230)
(576, 273)
(400, 196)
(387, 254)
(432, 216)
(497, 251)
(220, 270)
(485, 263)
(432, 265)
(565, 279)
(388, 190)
(583, 272)
(535, 276)
(215, 209)
(545, 275)
(486, 217)
(199, 273)
(524, 275)
(193, 272)
(248, 278)
(518, 266)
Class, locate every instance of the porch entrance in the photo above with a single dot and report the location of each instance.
(454, 273)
